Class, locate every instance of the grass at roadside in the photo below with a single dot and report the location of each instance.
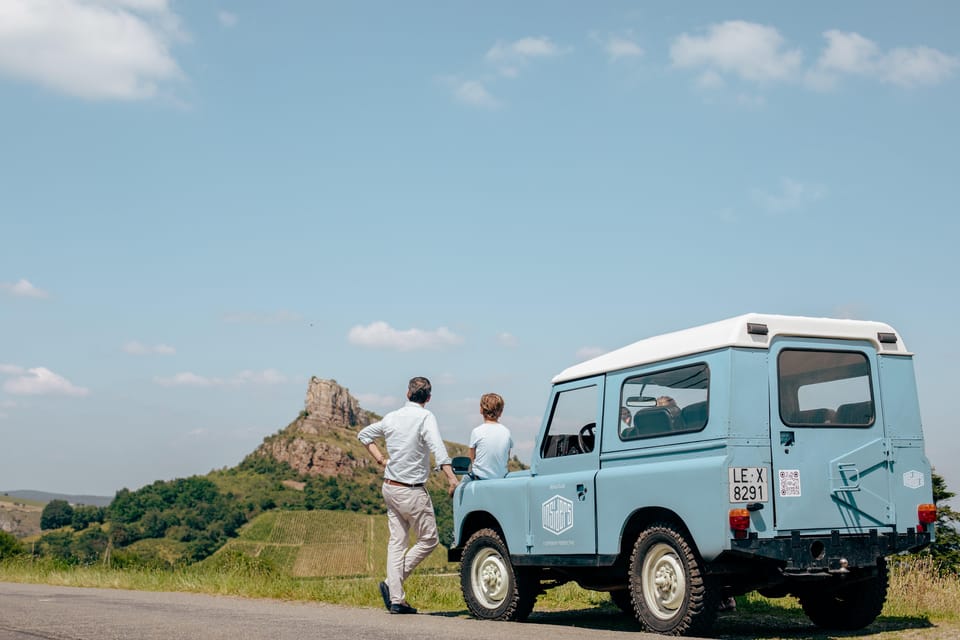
(923, 604)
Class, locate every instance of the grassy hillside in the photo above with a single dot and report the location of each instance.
(307, 544)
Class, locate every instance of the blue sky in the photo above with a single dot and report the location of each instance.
(203, 204)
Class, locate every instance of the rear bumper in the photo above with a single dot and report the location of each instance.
(832, 553)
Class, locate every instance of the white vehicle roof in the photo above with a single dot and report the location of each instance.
(734, 332)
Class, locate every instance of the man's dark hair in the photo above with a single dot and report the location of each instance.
(419, 390)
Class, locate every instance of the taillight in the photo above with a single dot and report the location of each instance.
(927, 513)
(739, 522)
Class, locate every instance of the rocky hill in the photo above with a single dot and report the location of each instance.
(322, 441)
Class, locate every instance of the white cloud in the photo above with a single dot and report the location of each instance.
(135, 348)
(586, 353)
(267, 376)
(380, 335)
(241, 378)
(792, 196)
(262, 317)
(849, 53)
(11, 369)
(751, 51)
(93, 49)
(510, 57)
(22, 288)
(474, 94)
(507, 340)
(378, 401)
(917, 66)
(619, 47)
(228, 19)
(39, 381)
(188, 379)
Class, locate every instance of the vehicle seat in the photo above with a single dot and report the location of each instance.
(649, 422)
(855, 413)
(694, 415)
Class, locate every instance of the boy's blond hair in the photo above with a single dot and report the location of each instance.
(491, 406)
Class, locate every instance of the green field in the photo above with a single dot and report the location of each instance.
(315, 544)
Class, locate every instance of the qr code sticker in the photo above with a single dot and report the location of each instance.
(790, 483)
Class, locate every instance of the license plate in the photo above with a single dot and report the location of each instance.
(748, 484)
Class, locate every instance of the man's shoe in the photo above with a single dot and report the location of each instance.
(399, 607)
(385, 594)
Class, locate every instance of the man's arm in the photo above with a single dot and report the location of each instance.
(375, 452)
(430, 433)
(451, 476)
(368, 436)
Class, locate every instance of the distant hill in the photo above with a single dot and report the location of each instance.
(45, 497)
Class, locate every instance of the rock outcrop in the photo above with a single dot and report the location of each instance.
(322, 441)
(330, 405)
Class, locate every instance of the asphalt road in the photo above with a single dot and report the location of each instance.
(29, 611)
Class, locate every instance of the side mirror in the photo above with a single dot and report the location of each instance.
(461, 465)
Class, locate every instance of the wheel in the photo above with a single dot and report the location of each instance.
(492, 588)
(849, 607)
(623, 600)
(668, 585)
(586, 437)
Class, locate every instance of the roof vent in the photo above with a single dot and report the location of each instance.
(888, 338)
(759, 329)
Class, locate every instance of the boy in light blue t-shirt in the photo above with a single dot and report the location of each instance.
(490, 443)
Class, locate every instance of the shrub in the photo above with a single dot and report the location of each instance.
(9, 545)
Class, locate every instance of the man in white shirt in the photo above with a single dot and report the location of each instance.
(490, 443)
(411, 435)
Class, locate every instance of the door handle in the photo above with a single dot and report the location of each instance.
(581, 492)
(848, 477)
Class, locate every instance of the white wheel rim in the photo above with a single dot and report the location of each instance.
(664, 581)
(489, 578)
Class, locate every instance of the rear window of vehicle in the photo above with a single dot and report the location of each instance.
(825, 388)
(664, 402)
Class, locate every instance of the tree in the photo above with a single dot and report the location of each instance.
(946, 547)
(9, 545)
(83, 516)
(56, 514)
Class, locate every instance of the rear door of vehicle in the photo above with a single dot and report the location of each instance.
(831, 455)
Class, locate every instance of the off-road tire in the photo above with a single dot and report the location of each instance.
(668, 584)
(850, 607)
(492, 587)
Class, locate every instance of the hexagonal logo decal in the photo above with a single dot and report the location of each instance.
(913, 479)
(557, 515)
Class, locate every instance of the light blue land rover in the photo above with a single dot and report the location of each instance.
(773, 453)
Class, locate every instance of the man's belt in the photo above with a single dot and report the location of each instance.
(397, 483)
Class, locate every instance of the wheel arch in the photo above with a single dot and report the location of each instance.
(643, 518)
(476, 520)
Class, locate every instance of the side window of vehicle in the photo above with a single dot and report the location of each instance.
(665, 402)
(825, 388)
(573, 423)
